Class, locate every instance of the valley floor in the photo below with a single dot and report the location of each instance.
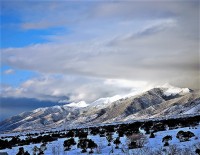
(152, 146)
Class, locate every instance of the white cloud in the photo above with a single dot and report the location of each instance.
(112, 48)
(72, 89)
(162, 56)
(9, 71)
(125, 83)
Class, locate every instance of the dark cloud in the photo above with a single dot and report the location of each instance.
(20, 105)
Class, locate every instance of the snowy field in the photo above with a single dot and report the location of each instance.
(152, 144)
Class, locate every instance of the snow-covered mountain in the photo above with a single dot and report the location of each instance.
(171, 90)
(160, 101)
(80, 104)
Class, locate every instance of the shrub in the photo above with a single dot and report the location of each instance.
(166, 138)
(48, 138)
(94, 131)
(184, 136)
(21, 151)
(4, 144)
(166, 143)
(136, 141)
(82, 134)
(26, 153)
(91, 145)
(197, 151)
(152, 135)
(86, 143)
(117, 142)
(120, 133)
(109, 138)
(14, 141)
(70, 134)
(83, 144)
(67, 144)
(197, 146)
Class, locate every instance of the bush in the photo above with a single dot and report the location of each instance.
(152, 135)
(21, 151)
(83, 144)
(159, 127)
(117, 142)
(67, 144)
(167, 138)
(184, 136)
(4, 144)
(136, 141)
(91, 145)
(132, 145)
(94, 131)
(197, 151)
(14, 141)
(82, 134)
(166, 143)
(48, 138)
(70, 134)
(109, 138)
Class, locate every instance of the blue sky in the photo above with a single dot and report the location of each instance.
(16, 76)
(20, 38)
(13, 35)
(73, 51)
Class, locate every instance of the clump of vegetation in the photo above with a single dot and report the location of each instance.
(184, 135)
(91, 145)
(130, 130)
(117, 142)
(152, 135)
(70, 134)
(86, 143)
(5, 144)
(136, 141)
(109, 138)
(68, 143)
(166, 140)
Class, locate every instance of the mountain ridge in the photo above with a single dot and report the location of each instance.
(149, 104)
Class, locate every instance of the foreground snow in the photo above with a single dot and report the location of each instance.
(153, 144)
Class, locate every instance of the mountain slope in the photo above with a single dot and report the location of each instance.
(157, 102)
(39, 118)
(185, 104)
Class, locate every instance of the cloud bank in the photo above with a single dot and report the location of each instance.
(105, 48)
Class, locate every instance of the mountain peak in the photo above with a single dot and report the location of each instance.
(80, 104)
(169, 90)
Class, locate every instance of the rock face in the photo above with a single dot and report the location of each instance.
(154, 103)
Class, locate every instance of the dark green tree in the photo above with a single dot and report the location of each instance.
(109, 138)
(21, 151)
(117, 142)
(83, 144)
(152, 135)
(91, 145)
(70, 134)
(68, 143)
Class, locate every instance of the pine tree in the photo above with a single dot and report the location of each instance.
(109, 138)
(117, 142)
(91, 145)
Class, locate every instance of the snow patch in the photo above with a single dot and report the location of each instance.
(171, 90)
(80, 104)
